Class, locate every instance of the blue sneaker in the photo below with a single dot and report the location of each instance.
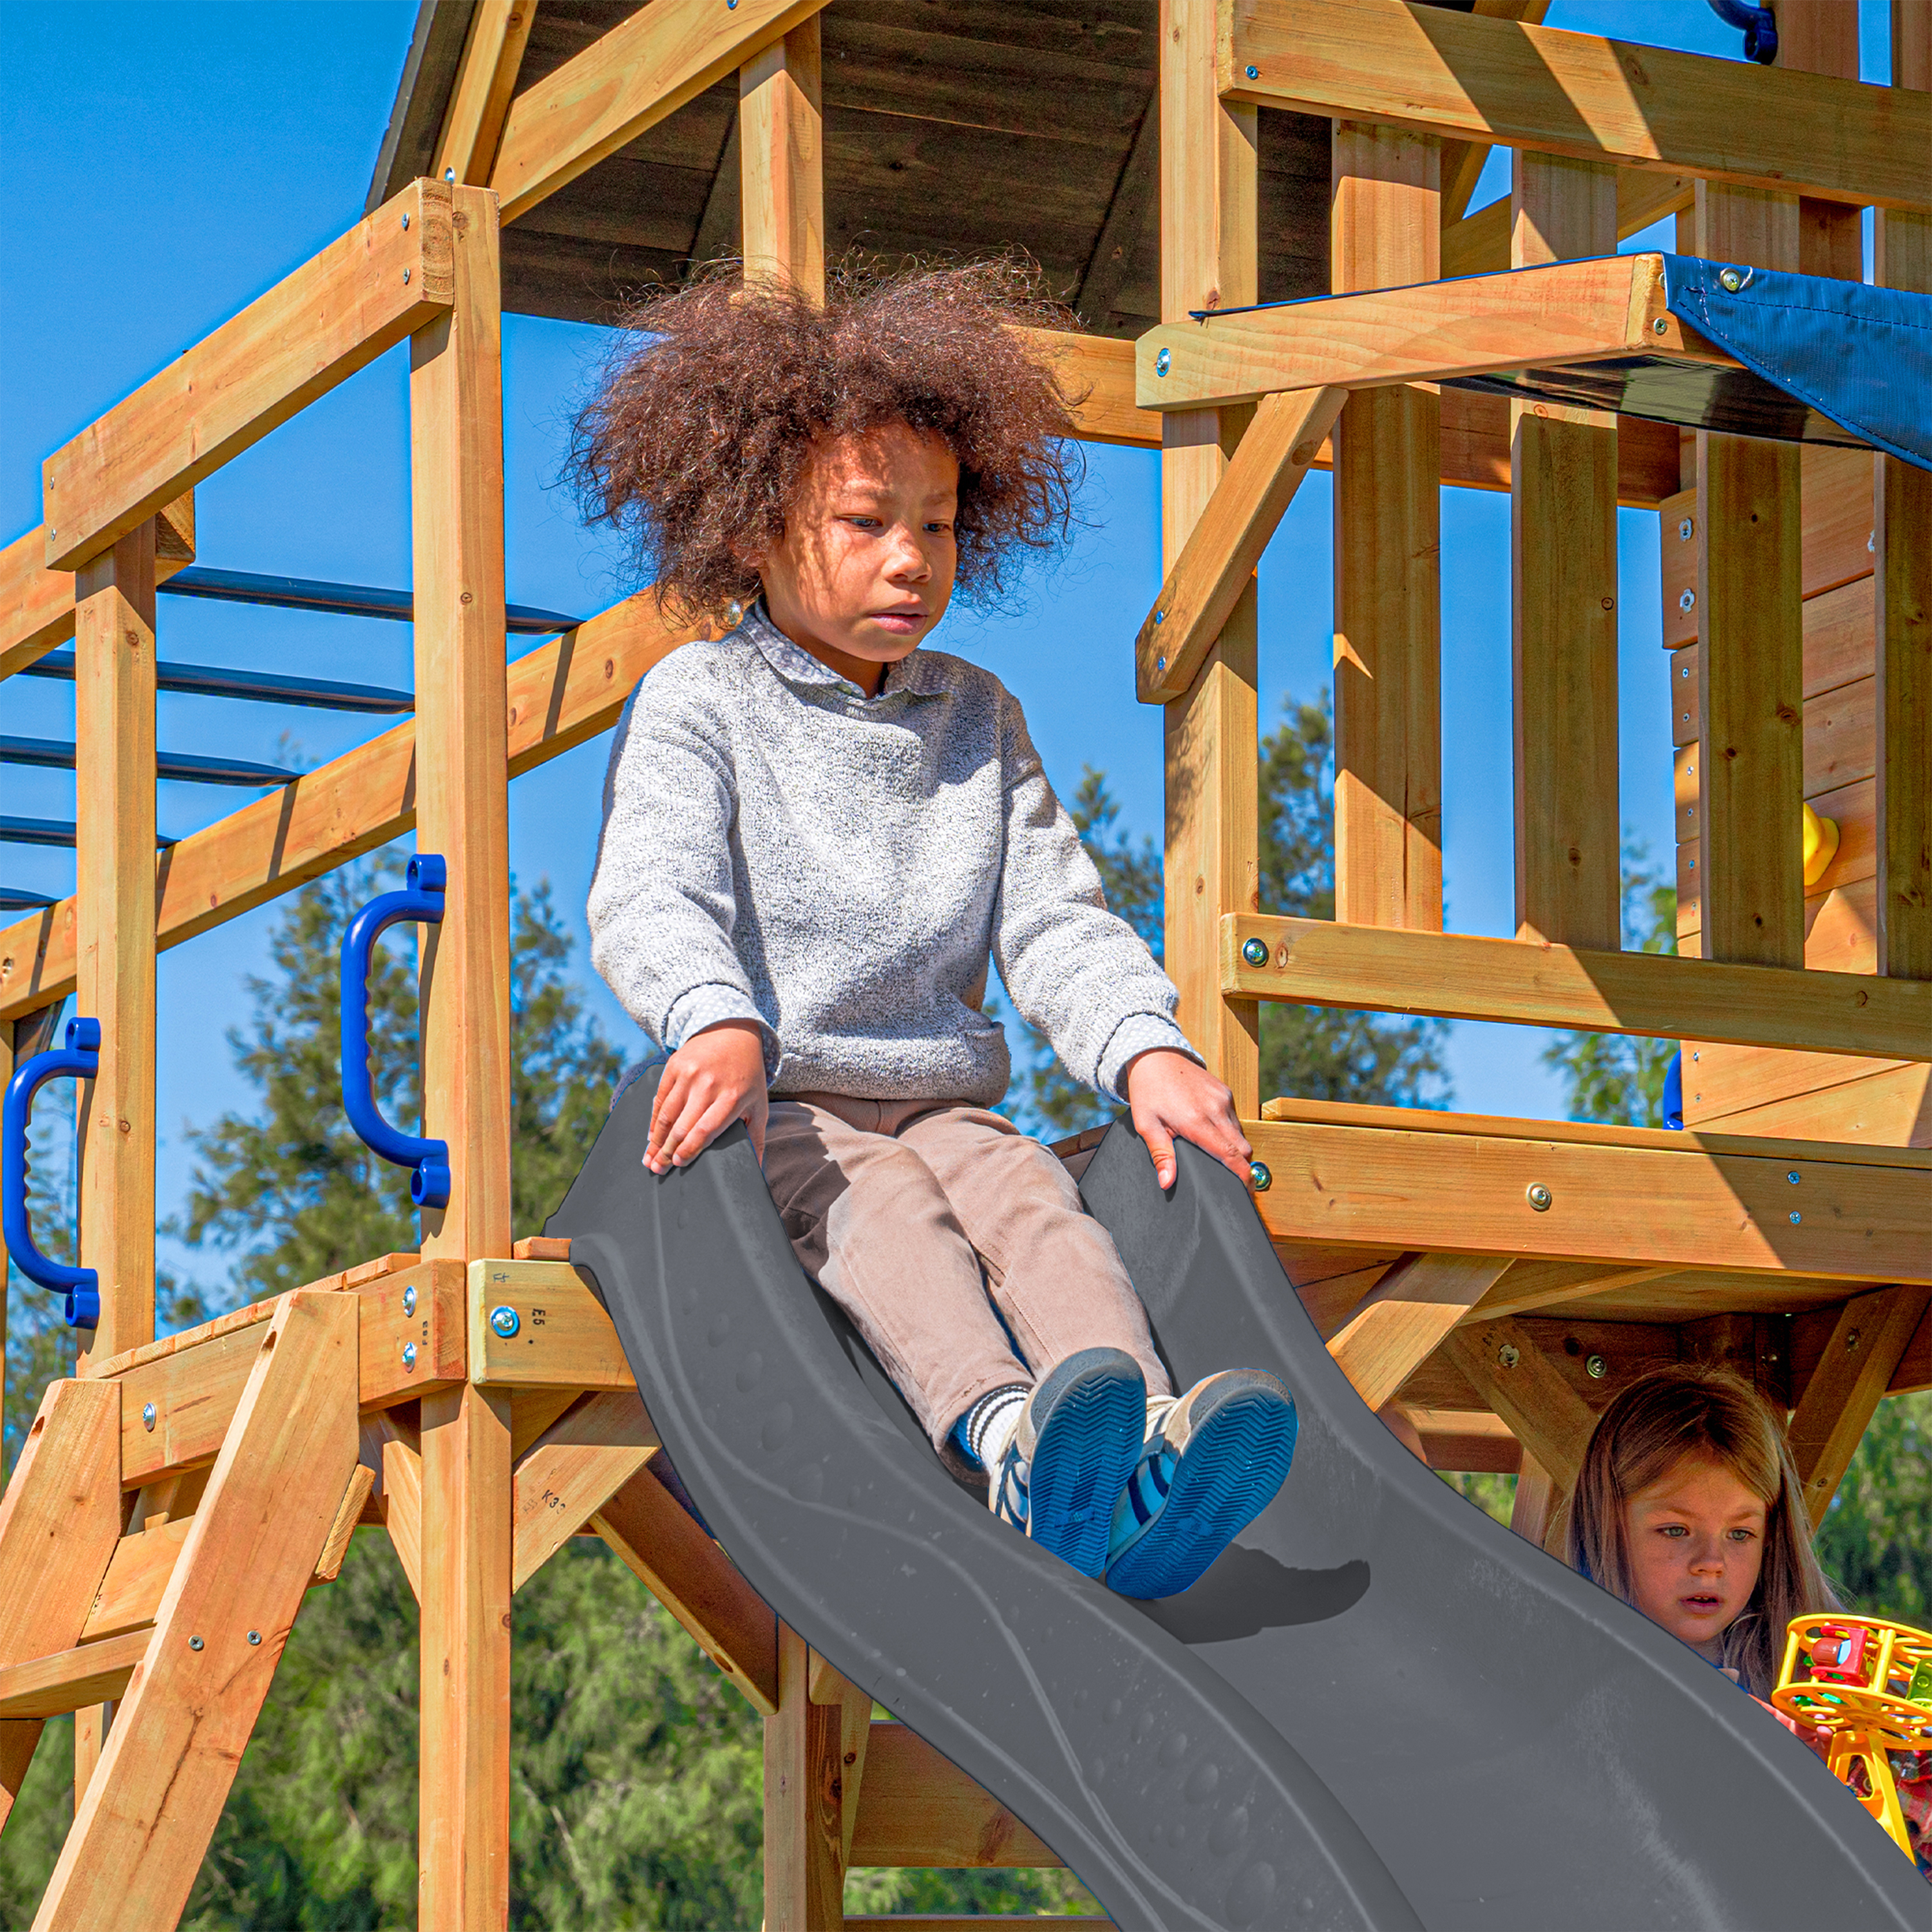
(1074, 1446)
(1211, 1462)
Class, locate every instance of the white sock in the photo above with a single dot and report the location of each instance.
(991, 1423)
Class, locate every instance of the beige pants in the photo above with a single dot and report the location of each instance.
(921, 1218)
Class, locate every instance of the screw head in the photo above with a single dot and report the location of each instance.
(1507, 1356)
(1163, 362)
(1688, 601)
(406, 277)
(1596, 1368)
(1254, 952)
(1661, 326)
(410, 1300)
(254, 1637)
(1795, 1217)
(409, 1356)
(1734, 279)
(1259, 1178)
(148, 1415)
(449, 174)
(505, 1321)
(1160, 616)
(1686, 530)
(1538, 1196)
(195, 1643)
(1160, 664)
(1793, 1177)
(1254, 73)
(406, 221)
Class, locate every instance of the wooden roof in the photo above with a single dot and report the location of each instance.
(953, 129)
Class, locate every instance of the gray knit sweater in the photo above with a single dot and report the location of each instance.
(778, 846)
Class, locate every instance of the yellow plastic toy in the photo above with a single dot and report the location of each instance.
(1868, 1684)
(1821, 845)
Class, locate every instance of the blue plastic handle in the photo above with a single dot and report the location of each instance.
(81, 1058)
(420, 900)
(1758, 24)
(1673, 1091)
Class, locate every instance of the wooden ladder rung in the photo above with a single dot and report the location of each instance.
(70, 1680)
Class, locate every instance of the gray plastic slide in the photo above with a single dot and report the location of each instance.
(1380, 1709)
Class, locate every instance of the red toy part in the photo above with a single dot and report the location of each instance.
(1837, 1655)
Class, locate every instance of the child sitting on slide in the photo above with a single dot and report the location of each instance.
(817, 834)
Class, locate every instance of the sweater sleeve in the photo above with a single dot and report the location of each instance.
(662, 910)
(1082, 976)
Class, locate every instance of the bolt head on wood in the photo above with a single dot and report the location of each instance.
(148, 1416)
(1163, 362)
(1539, 1196)
(409, 1356)
(1259, 1178)
(505, 1321)
(1686, 530)
(1507, 1356)
(195, 1643)
(410, 1300)
(1596, 1368)
(1254, 952)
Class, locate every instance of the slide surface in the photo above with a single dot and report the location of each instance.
(1380, 1709)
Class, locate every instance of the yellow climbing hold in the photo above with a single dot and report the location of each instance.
(1821, 845)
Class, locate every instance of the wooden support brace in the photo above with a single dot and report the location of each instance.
(401, 1451)
(1417, 1303)
(918, 1809)
(805, 1868)
(1865, 1347)
(1551, 1421)
(144, 1823)
(781, 159)
(1535, 1501)
(827, 1686)
(575, 1468)
(69, 1680)
(499, 30)
(695, 1580)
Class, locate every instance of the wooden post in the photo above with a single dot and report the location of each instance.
(1563, 505)
(1210, 259)
(462, 781)
(1535, 1500)
(1384, 232)
(781, 159)
(499, 30)
(1751, 658)
(1903, 539)
(805, 1856)
(1822, 36)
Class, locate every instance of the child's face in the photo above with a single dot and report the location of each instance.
(1696, 1540)
(865, 569)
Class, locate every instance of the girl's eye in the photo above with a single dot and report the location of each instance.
(1672, 1529)
(1741, 1535)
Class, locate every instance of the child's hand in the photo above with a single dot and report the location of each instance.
(1169, 1094)
(714, 1078)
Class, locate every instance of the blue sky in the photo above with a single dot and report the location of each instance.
(165, 164)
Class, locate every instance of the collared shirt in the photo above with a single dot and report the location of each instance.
(778, 847)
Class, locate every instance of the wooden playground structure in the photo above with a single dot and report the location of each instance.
(1499, 1279)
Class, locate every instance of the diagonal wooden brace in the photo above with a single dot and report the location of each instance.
(574, 1468)
(1414, 1306)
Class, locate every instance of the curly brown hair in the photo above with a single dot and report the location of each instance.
(696, 441)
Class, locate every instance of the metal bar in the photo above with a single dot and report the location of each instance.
(50, 832)
(341, 600)
(56, 755)
(265, 687)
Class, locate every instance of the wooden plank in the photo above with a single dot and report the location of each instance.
(1418, 1302)
(1520, 86)
(1535, 1501)
(1822, 36)
(1460, 1439)
(643, 69)
(463, 1821)
(1914, 1372)
(562, 1338)
(1551, 1421)
(472, 128)
(781, 163)
(1458, 975)
(1389, 334)
(456, 469)
(1867, 1343)
(1892, 1109)
(1462, 161)
(49, 1687)
(402, 1496)
(918, 1809)
(385, 278)
(575, 1468)
(60, 1518)
(1530, 1284)
(140, 1832)
(1564, 638)
(1209, 258)
(1385, 232)
(114, 841)
(828, 1686)
(1219, 559)
(532, 1411)
(1479, 243)
(805, 1870)
(695, 1580)
(1838, 634)
(1844, 1219)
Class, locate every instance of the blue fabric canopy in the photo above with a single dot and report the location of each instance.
(1859, 355)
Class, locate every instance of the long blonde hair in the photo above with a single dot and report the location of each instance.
(1649, 1427)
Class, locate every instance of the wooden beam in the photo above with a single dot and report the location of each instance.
(854, 1706)
(1866, 1345)
(1822, 36)
(1459, 1439)
(1534, 1502)
(60, 1518)
(577, 1465)
(1415, 1304)
(1479, 244)
(1456, 976)
(114, 842)
(462, 771)
(1385, 231)
(1596, 100)
(499, 31)
(402, 1498)
(645, 68)
(1545, 1415)
(695, 1580)
(69, 1680)
(1530, 1284)
(140, 1831)
(1563, 313)
(805, 1867)
(385, 279)
(1462, 161)
(562, 1338)
(1563, 534)
(1218, 561)
(918, 1809)
(781, 161)
(1209, 258)
(1447, 1182)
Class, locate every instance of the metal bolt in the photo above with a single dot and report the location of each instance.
(195, 1643)
(1259, 1178)
(505, 1320)
(1852, 1341)
(1160, 664)
(1684, 671)
(1734, 279)
(1254, 952)
(1688, 601)
(1507, 1356)
(1795, 1217)
(1686, 530)
(1793, 1177)
(1160, 616)
(409, 1356)
(1539, 1196)
(254, 1637)
(449, 174)
(148, 1415)
(406, 277)
(1696, 1054)
(1661, 326)
(1596, 1368)
(1163, 362)
(1254, 73)
(410, 1300)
